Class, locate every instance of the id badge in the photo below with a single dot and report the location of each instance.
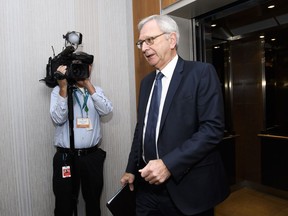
(82, 123)
(66, 172)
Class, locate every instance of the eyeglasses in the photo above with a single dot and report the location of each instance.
(149, 41)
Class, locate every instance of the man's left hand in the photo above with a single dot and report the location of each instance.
(155, 172)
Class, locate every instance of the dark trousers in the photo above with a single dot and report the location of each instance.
(154, 200)
(87, 172)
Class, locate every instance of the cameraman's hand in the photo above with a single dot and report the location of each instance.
(62, 83)
(87, 84)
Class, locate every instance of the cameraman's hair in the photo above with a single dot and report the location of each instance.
(165, 23)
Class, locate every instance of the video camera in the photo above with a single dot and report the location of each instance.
(77, 62)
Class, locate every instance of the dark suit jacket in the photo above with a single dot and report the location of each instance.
(192, 125)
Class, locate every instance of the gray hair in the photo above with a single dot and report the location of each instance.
(165, 23)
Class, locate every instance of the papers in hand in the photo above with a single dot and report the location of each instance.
(122, 203)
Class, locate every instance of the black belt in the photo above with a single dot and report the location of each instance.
(78, 152)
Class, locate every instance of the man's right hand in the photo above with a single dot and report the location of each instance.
(63, 82)
(128, 178)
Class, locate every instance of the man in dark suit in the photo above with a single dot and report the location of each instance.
(186, 175)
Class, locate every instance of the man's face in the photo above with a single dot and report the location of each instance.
(160, 53)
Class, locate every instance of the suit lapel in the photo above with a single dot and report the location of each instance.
(146, 93)
(174, 84)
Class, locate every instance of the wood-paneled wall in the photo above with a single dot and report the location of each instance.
(142, 9)
(166, 3)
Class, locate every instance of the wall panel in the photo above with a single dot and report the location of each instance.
(142, 9)
(28, 30)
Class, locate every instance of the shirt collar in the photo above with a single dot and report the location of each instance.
(170, 67)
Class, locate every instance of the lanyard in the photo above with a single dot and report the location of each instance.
(85, 96)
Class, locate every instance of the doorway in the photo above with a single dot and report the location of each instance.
(247, 44)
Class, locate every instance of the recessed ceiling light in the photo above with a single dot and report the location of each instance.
(271, 6)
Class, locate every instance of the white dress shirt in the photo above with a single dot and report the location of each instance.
(98, 105)
(168, 73)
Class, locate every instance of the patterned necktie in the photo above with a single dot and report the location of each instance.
(150, 133)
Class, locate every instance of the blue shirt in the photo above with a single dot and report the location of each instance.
(98, 105)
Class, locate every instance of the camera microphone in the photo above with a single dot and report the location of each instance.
(64, 55)
(68, 50)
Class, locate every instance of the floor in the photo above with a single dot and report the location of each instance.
(249, 202)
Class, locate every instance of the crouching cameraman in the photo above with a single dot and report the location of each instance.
(84, 165)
